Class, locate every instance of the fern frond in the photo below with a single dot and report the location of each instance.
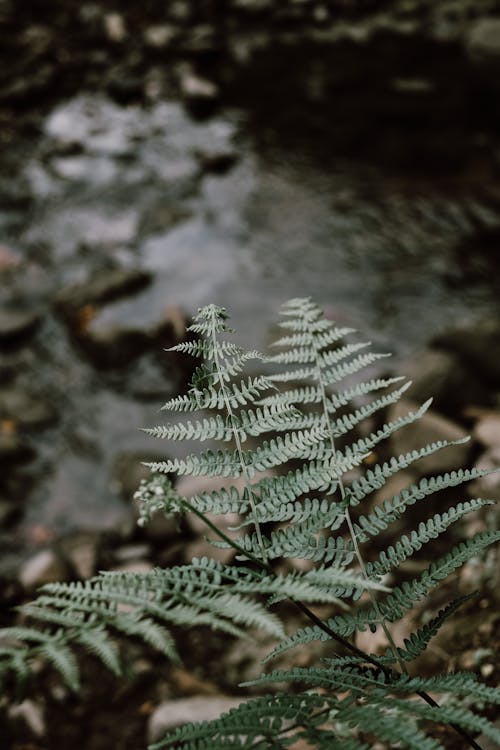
(383, 515)
(430, 529)
(400, 600)
(374, 479)
(417, 642)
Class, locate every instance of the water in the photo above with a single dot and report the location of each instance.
(397, 253)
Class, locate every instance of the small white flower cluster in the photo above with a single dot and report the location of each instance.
(157, 494)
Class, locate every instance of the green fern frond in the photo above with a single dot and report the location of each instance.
(374, 479)
(394, 555)
(417, 642)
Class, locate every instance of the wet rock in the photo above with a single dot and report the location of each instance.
(477, 345)
(112, 341)
(482, 43)
(428, 429)
(25, 409)
(440, 375)
(28, 716)
(81, 552)
(16, 325)
(44, 567)
(115, 28)
(94, 125)
(111, 346)
(100, 288)
(487, 430)
(174, 713)
(160, 36)
(92, 170)
(199, 94)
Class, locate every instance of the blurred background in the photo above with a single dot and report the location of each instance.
(157, 156)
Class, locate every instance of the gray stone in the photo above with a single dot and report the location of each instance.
(100, 288)
(430, 428)
(478, 345)
(16, 325)
(44, 567)
(112, 341)
(487, 430)
(200, 95)
(482, 43)
(80, 550)
(30, 716)
(159, 36)
(440, 375)
(174, 713)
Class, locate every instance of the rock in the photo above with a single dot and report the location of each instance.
(16, 325)
(200, 95)
(114, 25)
(489, 485)
(28, 715)
(482, 43)
(477, 345)
(100, 288)
(112, 346)
(80, 550)
(174, 713)
(44, 567)
(428, 429)
(25, 409)
(440, 375)
(160, 36)
(487, 430)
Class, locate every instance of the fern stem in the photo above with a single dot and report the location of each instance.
(347, 515)
(239, 449)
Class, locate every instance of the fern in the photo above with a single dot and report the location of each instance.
(272, 438)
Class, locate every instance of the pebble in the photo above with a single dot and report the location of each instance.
(81, 552)
(100, 288)
(174, 713)
(44, 567)
(487, 430)
(159, 36)
(29, 714)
